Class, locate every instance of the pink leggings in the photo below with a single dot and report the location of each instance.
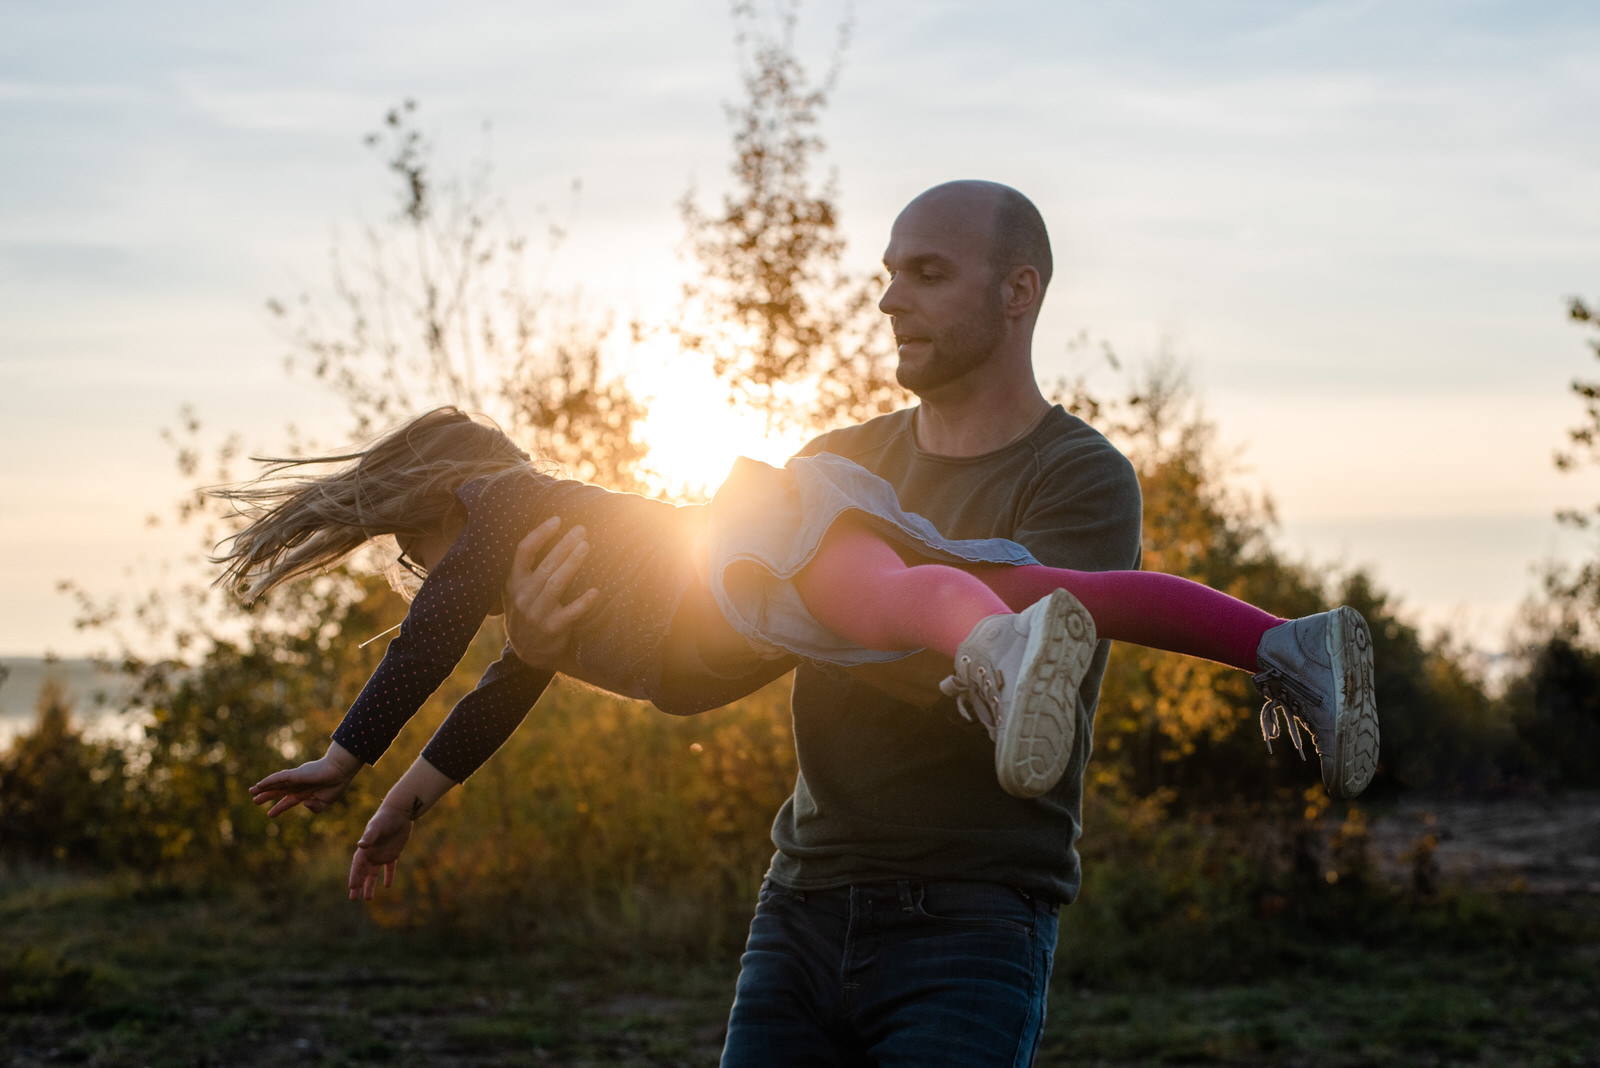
(858, 587)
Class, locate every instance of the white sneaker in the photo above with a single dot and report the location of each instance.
(1019, 675)
(1318, 671)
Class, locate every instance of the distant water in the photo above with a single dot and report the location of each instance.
(83, 680)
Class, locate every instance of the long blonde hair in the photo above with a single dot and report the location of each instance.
(403, 485)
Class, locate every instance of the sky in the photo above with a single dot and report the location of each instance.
(1356, 224)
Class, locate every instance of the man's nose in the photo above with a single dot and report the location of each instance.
(890, 303)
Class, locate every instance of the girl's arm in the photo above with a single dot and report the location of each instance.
(475, 728)
(381, 844)
(315, 784)
(457, 594)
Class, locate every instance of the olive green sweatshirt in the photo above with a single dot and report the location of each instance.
(890, 791)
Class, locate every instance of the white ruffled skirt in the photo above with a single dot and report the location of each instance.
(765, 525)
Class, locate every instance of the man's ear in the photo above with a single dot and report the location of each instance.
(1019, 293)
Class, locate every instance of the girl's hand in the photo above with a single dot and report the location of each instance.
(380, 846)
(315, 784)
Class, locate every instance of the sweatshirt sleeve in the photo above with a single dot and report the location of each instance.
(1083, 512)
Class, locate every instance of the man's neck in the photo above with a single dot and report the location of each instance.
(974, 422)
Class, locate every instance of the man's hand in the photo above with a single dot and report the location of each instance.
(538, 625)
(315, 784)
(380, 846)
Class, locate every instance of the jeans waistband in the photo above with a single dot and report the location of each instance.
(901, 890)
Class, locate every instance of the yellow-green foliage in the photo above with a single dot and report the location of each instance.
(1167, 721)
(599, 813)
(610, 812)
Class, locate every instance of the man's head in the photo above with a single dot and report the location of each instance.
(968, 264)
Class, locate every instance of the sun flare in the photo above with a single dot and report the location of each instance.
(691, 429)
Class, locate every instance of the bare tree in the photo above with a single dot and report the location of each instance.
(436, 306)
(786, 325)
(1574, 592)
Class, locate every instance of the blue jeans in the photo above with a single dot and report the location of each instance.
(893, 974)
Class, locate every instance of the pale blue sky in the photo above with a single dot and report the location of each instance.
(1357, 222)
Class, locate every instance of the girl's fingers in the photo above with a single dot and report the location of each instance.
(363, 877)
(284, 805)
(284, 782)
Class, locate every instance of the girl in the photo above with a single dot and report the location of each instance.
(817, 560)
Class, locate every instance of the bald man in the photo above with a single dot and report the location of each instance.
(909, 914)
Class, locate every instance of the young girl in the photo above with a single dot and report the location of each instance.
(817, 560)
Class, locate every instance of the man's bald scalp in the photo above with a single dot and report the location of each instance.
(1017, 233)
(1020, 238)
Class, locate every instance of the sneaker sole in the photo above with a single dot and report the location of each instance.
(1355, 742)
(1035, 742)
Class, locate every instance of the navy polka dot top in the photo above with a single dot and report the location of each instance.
(640, 561)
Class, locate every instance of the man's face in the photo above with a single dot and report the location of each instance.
(943, 297)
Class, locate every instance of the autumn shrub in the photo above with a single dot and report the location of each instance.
(604, 820)
(62, 796)
(1221, 899)
(1555, 707)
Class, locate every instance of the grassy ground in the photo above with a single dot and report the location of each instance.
(1394, 1008)
(102, 975)
(95, 972)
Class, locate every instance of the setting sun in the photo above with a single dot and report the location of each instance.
(693, 432)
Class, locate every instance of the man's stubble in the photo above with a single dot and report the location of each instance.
(959, 350)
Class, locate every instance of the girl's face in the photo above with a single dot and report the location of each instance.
(426, 550)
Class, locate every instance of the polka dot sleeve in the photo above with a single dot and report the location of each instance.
(481, 721)
(444, 617)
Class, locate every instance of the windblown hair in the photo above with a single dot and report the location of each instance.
(306, 517)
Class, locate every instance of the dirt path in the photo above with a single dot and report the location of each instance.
(1537, 845)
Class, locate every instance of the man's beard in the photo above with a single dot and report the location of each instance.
(957, 351)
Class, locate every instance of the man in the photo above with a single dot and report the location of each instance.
(909, 916)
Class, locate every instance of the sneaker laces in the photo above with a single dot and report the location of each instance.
(1282, 706)
(977, 693)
